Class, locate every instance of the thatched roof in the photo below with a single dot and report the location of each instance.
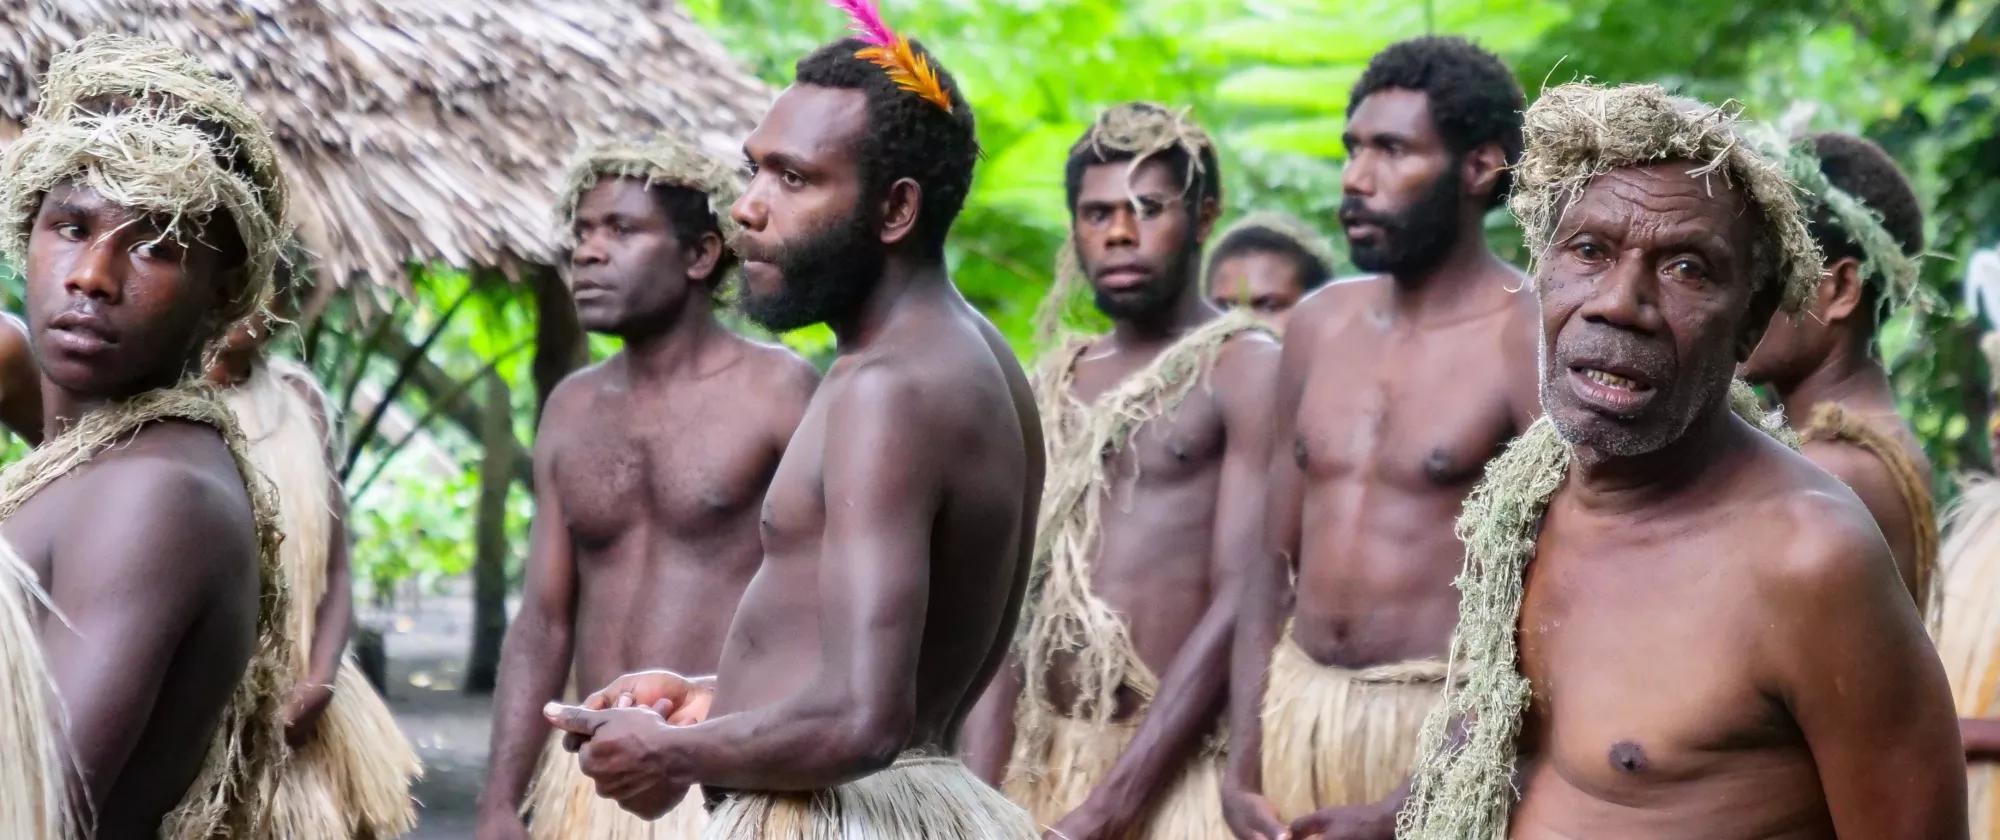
(424, 130)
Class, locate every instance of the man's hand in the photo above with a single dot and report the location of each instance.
(308, 701)
(500, 824)
(1251, 817)
(1088, 823)
(623, 751)
(1353, 822)
(683, 701)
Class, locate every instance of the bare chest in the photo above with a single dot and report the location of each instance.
(1418, 413)
(1175, 442)
(686, 470)
(1643, 656)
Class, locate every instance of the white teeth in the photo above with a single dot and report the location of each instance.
(1610, 380)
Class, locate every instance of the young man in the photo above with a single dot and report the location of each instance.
(1267, 263)
(1159, 438)
(146, 209)
(898, 526)
(20, 381)
(1867, 222)
(1393, 392)
(1684, 627)
(650, 470)
(350, 770)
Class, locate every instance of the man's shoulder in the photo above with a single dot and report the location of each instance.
(777, 369)
(175, 489)
(1821, 536)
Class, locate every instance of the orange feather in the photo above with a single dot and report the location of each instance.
(909, 71)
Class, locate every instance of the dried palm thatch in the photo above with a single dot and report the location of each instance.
(423, 130)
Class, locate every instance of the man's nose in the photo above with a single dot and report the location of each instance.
(94, 273)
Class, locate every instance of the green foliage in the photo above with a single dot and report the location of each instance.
(1270, 80)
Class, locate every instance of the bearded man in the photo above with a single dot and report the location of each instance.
(897, 528)
(652, 471)
(1675, 625)
(145, 206)
(1159, 437)
(1393, 392)
(1868, 223)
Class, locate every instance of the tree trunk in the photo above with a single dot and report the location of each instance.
(559, 340)
(489, 563)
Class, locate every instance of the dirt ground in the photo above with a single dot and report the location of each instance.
(426, 640)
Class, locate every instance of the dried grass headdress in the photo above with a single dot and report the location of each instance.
(1463, 789)
(1141, 130)
(137, 121)
(1883, 260)
(1577, 132)
(661, 161)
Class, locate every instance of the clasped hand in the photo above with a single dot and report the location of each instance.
(623, 737)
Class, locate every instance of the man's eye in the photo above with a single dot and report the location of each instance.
(1687, 270)
(1587, 251)
(792, 179)
(1150, 209)
(154, 249)
(71, 232)
(1095, 215)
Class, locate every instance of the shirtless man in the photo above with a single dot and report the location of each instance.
(1713, 640)
(650, 476)
(135, 516)
(1267, 263)
(1138, 550)
(1824, 368)
(897, 530)
(1393, 393)
(20, 381)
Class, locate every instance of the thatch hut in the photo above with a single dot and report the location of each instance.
(423, 131)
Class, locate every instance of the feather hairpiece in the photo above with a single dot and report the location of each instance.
(892, 53)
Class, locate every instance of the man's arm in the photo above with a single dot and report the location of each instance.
(535, 658)
(988, 742)
(1264, 590)
(1863, 683)
(168, 547)
(20, 381)
(883, 484)
(1192, 688)
(333, 616)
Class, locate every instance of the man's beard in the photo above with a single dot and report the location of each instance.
(1415, 239)
(1690, 397)
(823, 278)
(1149, 300)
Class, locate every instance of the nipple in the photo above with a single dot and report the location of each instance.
(1627, 756)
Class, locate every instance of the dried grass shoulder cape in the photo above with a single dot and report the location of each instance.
(1060, 754)
(235, 783)
(1465, 790)
(353, 778)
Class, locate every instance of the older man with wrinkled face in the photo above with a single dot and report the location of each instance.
(1715, 638)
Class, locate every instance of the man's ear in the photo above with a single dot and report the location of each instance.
(1480, 170)
(900, 210)
(707, 252)
(1840, 287)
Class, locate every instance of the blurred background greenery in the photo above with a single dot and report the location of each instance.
(441, 391)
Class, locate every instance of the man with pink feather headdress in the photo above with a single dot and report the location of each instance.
(897, 526)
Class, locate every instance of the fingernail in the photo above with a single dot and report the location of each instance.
(551, 708)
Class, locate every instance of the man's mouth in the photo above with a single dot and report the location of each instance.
(1123, 277)
(1615, 392)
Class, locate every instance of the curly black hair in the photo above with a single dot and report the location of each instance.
(1474, 99)
(1858, 167)
(908, 137)
(1083, 155)
(1313, 271)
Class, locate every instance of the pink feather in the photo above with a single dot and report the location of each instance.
(866, 21)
